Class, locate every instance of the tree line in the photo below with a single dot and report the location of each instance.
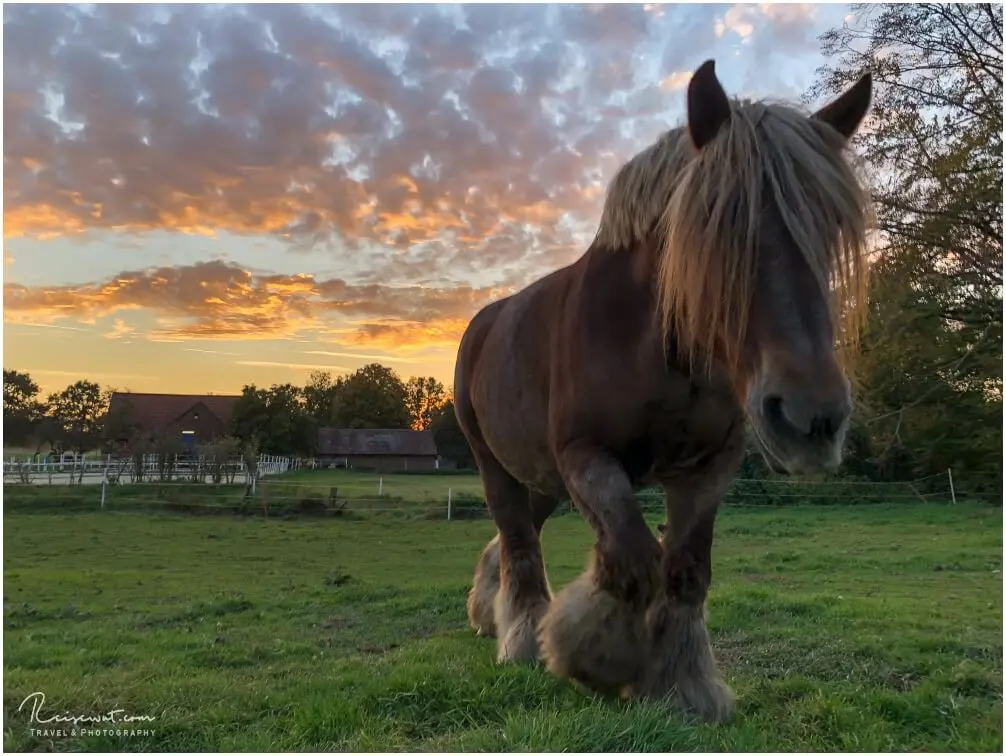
(283, 419)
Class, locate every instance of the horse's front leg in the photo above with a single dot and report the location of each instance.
(594, 630)
(680, 662)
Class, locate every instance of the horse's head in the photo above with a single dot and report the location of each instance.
(765, 255)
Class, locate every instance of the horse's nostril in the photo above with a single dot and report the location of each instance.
(822, 427)
(776, 413)
(829, 422)
(772, 407)
(802, 420)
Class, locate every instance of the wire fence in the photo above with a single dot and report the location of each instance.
(316, 495)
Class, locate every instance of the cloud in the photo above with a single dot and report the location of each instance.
(292, 365)
(740, 20)
(361, 124)
(28, 324)
(411, 334)
(217, 300)
(417, 144)
(120, 330)
(322, 353)
(210, 351)
(677, 80)
(78, 375)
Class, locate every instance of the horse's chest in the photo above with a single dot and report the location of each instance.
(673, 439)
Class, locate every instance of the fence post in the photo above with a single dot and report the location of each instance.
(448, 504)
(380, 486)
(104, 481)
(953, 495)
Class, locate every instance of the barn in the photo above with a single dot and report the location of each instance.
(377, 449)
(196, 419)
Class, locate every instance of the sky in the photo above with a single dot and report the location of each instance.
(201, 197)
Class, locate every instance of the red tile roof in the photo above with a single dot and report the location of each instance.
(157, 411)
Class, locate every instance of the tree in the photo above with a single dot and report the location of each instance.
(930, 380)
(275, 420)
(319, 393)
(424, 398)
(450, 439)
(293, 430)
(220, 456)
(372, 397)
(21, 408)
(79, 412)
(250, 417)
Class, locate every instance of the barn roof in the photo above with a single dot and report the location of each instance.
(346, 442)
(157, 411)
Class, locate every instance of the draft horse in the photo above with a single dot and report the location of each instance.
(728, 255)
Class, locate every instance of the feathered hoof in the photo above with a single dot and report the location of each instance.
(519, 642)
(681, 667)
(485, 586)
(592, 637)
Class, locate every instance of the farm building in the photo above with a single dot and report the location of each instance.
(196, 419)
(379, 450)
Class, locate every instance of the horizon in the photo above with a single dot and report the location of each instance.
(200, 198)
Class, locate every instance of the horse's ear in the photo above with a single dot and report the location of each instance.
(708, 106)
(846, 113)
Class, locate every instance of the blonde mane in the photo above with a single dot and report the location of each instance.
(704, 211)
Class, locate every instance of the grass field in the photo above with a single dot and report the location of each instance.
(840, 628)
(413, 487)
(410, 495)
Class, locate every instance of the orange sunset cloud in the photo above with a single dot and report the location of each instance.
(220, 301)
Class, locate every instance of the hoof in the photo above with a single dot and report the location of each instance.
(681, 666)
(519, 643)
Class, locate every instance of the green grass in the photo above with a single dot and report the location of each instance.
(840, 628)
(358, 485)
(299, 493)
(17, 451)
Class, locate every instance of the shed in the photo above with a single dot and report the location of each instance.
(377, 449)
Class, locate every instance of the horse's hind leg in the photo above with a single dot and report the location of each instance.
(523, 593)
(486, 585)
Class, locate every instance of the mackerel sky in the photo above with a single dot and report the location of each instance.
(199, 197)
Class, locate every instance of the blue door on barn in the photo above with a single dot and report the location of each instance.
(189, 443)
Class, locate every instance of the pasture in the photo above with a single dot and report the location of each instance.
(412, 487)
(866, 628)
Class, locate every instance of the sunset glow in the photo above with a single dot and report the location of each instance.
(196, 198)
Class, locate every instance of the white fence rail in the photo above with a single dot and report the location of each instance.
(69, 470)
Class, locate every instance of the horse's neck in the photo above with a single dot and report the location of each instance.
(617, 289)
